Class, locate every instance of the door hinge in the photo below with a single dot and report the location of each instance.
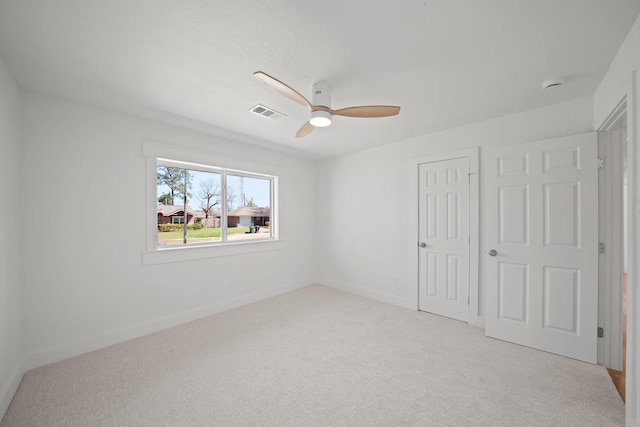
(469, 300)
(600, 162)
(600, 332)
(601, 248)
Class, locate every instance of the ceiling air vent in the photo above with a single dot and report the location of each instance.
(267, 112)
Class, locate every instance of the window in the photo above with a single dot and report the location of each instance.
(224, 207)
(221, 206)
(177, 220)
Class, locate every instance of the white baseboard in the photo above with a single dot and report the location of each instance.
(379, 296)
(477, 321)
(9, 390)
(90, 343)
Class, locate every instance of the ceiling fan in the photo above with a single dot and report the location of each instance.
(321, 112)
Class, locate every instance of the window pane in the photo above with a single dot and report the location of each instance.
(249, 205)
(190, 200)
(203, 197)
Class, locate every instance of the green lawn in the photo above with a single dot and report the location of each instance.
(172, 237)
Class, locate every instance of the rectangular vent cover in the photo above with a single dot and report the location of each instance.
(267, 112)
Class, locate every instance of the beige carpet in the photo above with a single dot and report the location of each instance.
(317, 357)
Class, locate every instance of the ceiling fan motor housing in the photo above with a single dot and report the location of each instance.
(321, 94)
(321, 97)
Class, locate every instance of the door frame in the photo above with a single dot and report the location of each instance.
(630, 93)
(633, 217)
(610, 264)
(472, 153)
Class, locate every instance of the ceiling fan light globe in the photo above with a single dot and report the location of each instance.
(320, 119)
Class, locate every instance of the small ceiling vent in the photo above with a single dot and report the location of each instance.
(267, 112)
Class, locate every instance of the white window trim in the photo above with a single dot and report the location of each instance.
(154, 255)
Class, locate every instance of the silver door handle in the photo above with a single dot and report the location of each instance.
(422, 245)
(492, 252)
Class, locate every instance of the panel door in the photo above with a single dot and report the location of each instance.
(444, 238)
(541, 256)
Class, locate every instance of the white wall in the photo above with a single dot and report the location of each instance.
(622, 80)
(84, 204)
(364, 199)
(10, 243)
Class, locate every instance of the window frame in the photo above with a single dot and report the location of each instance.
(156, 152)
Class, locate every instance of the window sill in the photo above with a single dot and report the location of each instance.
(177, 254)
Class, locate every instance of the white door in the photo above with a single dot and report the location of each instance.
(541, 255)
(444, 238)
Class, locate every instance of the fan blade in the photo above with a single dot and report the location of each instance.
(368, 111)
(304, 130)
(281, 88)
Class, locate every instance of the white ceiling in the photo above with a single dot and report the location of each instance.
(445, 62)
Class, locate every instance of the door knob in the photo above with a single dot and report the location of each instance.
(423, 245)
(492, 252)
